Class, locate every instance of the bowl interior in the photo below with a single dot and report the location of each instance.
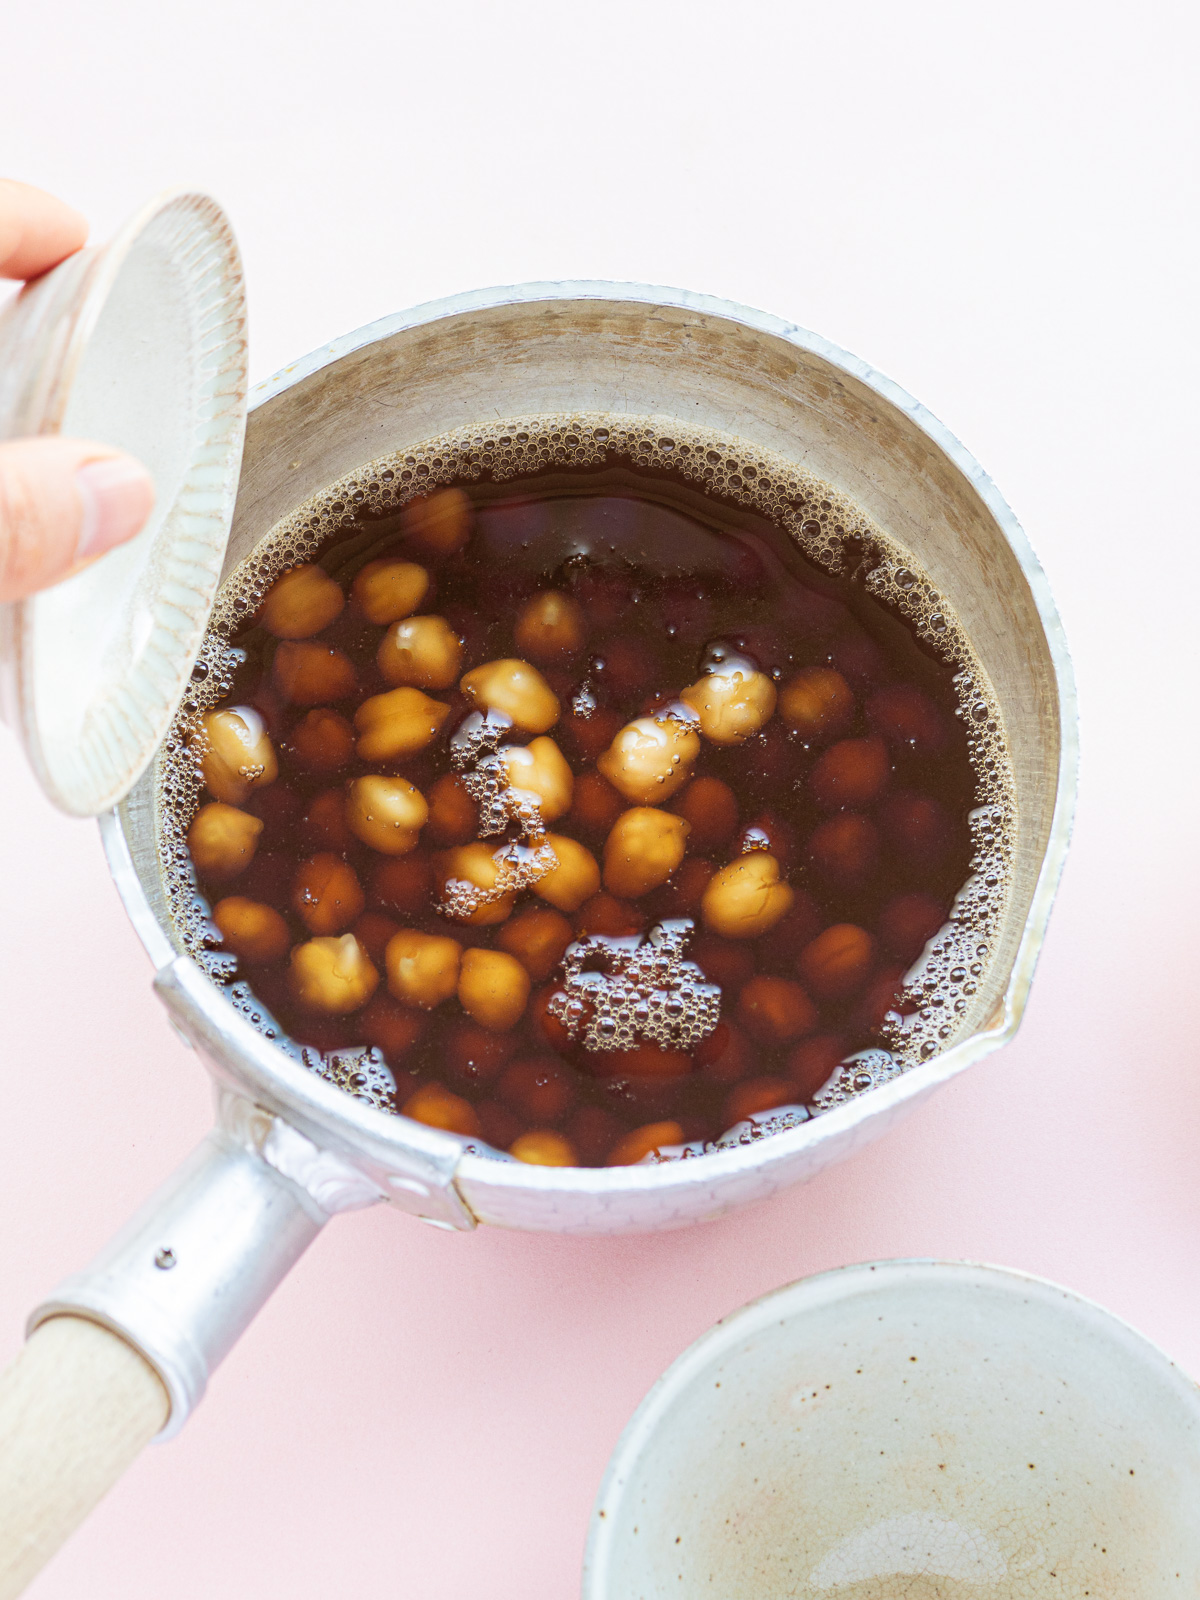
(910, 1429)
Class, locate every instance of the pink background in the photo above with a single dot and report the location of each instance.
(988, 203)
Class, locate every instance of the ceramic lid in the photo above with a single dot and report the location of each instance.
(140, 344)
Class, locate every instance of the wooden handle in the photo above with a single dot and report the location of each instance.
(76, 1407)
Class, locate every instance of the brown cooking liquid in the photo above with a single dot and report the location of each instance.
(867, 822)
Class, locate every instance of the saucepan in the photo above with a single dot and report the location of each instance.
(143, 344)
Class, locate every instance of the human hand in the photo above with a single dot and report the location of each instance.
(62, 501)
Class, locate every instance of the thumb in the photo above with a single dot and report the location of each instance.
(63, 502)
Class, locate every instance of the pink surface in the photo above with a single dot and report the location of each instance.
(421, 1413)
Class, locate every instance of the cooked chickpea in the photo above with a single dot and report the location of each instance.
(386, 813)
(550, 626)
(542, 1147)
(745, 898)
(756, 1096)
(845, 849)
(636, 1146)
(775, 1010)
(311, 674)
(540, 769)
(322, 741)
(223, 840)
(324, 824)
(332, 975)
(595, 805)
(397, 724)
(838, 962)
(326, 894)
(711, 810)
(574, 880)
(493, 988)
(423, 651)
(403, 884)
(537, 937)
(650, 758)
(851, 774)
(436, 1107)
(453, 815)
(440, 522)
(422, 968)
(642, 851)
(237, 754)
(474, 867)
(301, 603)
(732, 702)
(254, 932)
(386, 590)
(817, 703)
(516, 689)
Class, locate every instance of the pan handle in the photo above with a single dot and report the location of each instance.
(121, 1352)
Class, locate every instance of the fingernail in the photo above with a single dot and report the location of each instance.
(117, 496)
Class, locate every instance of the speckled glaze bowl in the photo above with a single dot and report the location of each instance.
(908, 1430)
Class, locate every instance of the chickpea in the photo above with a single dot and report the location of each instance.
(775, 1010)
(746, 898)
(475, 866)
(422, 968)
(397, 724)
(237, 754)
(642, 851)
(436, 1107)
(326, 894)
(845, 849)
(636, 1146)
(605, 914)
(908, 718)
(817, 703)
(324, 825)
(453, 815)
(851, 774)
(516, 689)
(439, 523)
(918, 826)
(493, 988)
(550, 626)
(392, 1027)
(473, 1055)
(724, 1056)
(538, 938)
(223, 840)
(907, 923)
(651, 1061)
(404, 884)
(311, 674)
(757, 1095)
(711, 811)
(838, 962)
(499, 1125)
(733, 702)
(423, 651)
(650, 758)
(301, 603)
(540, 1087)
(574, 880)
(541, 770)
(812, 1062)
(254, 932)
(384, 591)
(542, 1147)
(684, 892)
(332, 975)
(596, 805)
(322, 741)
(386, 813)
